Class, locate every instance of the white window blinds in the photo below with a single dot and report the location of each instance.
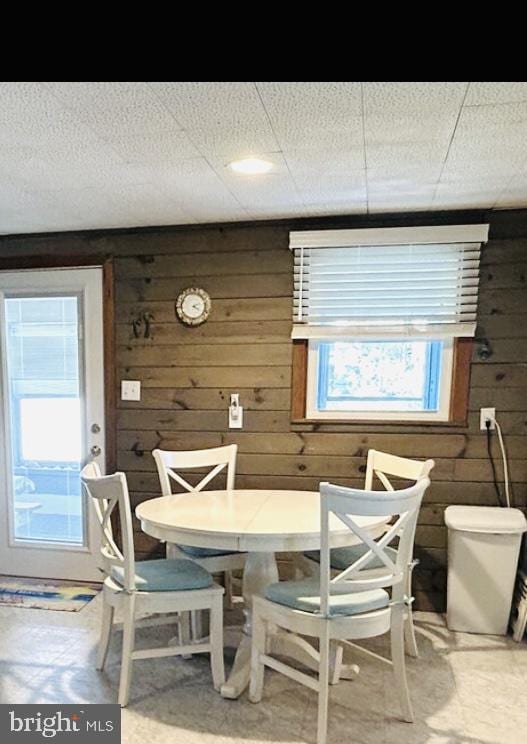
(394, 281)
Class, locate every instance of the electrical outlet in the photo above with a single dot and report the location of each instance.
(130, 390)
(487, 414)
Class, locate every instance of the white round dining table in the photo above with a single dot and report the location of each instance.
(260, 522)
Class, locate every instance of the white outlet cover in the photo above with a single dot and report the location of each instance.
(484, 414)
(130, 390)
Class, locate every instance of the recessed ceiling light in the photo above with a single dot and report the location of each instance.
(251, 166)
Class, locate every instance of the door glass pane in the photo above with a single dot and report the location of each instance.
(44, 388)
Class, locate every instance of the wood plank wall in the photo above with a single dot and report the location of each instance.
(187, 374)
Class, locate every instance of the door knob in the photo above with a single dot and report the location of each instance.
(95, 450)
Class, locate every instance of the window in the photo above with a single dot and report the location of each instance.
(381, 325)
(377, 379)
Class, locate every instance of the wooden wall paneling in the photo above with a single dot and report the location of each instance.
(187, 374)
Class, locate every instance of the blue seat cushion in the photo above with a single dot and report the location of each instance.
(305, 595)
(165, 575)
(341, 558)
(204, 552)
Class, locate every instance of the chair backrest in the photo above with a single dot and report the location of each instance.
(347, 503)
(381, 464)
(107, 493)
(217, 458)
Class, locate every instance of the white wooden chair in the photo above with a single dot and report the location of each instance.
(218, 458)
(380, 465)
(352, 605)
(155, 586)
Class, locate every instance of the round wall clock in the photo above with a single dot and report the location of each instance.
(193, 306)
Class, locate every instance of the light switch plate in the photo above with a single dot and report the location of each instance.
(235, 412)
(130, 390)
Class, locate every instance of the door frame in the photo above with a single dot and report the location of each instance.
(21, 263)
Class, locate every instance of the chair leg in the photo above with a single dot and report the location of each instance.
(106, 630)
(216, 643)
(128, 647)
(399, 663)
(184, 632)
(337, 652)
(410, 640)
(323, 689)
(229, 595)
(197, 625)
(409, 635)
(259, 627)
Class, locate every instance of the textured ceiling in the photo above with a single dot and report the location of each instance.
(80, 155)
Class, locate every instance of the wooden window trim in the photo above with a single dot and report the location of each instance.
(458, 400)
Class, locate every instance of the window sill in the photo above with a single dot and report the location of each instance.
(379, 422)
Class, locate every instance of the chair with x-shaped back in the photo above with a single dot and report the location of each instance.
(379, 466)
(352, 605)
(218, 458)
(149, 587)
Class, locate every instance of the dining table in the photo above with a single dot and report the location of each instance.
(261, 523)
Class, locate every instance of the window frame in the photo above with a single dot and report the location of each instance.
(445, 391)
(459, 391)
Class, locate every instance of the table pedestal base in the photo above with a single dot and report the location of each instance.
(260, 571)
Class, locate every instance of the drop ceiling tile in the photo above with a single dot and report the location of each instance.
(320, 163)
(402, 204)
(325, 102)
(515, 193)
(407, 179)
(314, 116)
(156, 147)
(197, 187)
(415, 155)
(344, 190)
(467, 194)
(111, 108)
(490, 171)
(345, 202)
(318, 208)
(272, 191)
(132, 205)
(397, 97)
(399, 128)
(223, 120)
(506, 120)
(480, 94)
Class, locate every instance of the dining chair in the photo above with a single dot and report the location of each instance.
(153, 586)
(351, 605)
(218, 458)
(380, 465)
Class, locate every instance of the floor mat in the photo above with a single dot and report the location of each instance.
(46, 594)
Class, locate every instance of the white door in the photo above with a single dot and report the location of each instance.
(51, 420)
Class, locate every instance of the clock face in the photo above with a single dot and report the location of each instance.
(193, 306)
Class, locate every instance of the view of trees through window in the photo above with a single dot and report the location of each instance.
(379, 375)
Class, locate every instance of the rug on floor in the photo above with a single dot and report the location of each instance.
(45, 594)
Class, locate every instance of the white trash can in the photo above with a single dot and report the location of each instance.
(483, 550)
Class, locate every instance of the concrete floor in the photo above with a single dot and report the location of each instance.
(465, 688)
